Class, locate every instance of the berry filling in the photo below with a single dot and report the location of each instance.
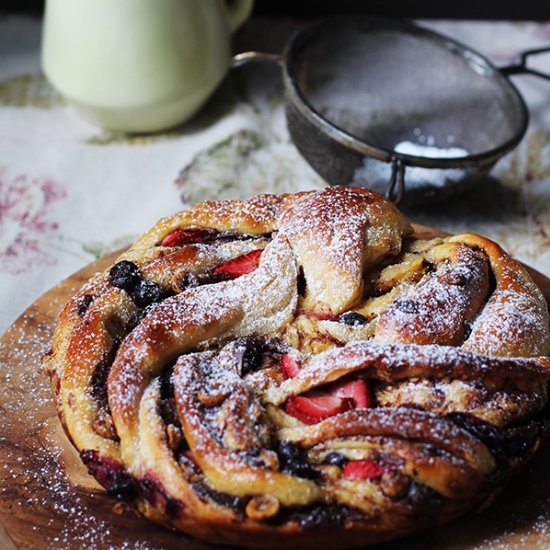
(336, 459)
(353, 319)
(362, 469)
(146, 293)
(111, 474)
(154, 493)
(124, 275)
(84, 304)
(315, 408)
(180, 237)
(242, 265)
(293, 460)
(289, 366)
(251, 354)
(356, 390)
(127, 276)
(316, 405)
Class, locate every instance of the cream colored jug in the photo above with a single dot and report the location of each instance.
(138, 65)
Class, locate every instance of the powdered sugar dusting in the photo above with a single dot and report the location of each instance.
(335, 234)
(510, 324)
(434, 312)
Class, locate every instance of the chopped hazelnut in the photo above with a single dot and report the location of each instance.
(104, 427)
(269, 459)
(262, 507)
(173, 433)
(394, 484)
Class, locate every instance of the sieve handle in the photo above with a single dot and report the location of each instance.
(246, 57)
(520, 66)
(396, 185)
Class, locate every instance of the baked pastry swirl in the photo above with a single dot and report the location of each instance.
(303, 371)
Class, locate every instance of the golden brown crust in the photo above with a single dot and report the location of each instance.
(298, 370)
(436, 310)
(336, 234)
(516, 317)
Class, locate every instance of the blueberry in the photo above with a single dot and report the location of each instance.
(303, 469)
(335, 459)
(293, 462)
(288, 451)
(353, 319)
(146, 293)
(252, 356)
(124, 275)
(84, 304)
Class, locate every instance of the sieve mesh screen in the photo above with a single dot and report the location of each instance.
(385, 87)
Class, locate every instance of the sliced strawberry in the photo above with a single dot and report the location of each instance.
(321, 406)
(289, 366)
(316, 406)
(356, 390)
(240, 266)
(180, 236)
(362, 469)
(290, 408)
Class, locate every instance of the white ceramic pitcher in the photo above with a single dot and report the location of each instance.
(139, 65)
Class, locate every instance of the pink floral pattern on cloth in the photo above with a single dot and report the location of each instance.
(26, 224)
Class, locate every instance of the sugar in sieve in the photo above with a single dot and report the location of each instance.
(398, 108)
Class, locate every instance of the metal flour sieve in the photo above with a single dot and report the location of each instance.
(398, 108)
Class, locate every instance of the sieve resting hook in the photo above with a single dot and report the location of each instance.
(396, 185)
(520, 65)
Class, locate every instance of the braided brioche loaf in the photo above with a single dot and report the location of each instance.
(301, 370)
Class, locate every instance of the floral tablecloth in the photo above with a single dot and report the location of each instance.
(70, 192)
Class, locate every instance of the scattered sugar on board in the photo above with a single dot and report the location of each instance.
(33, 482)
(516, 536)
(28, 343)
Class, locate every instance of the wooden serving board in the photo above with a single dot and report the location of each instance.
(47, 499)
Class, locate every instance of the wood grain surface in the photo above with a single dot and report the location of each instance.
(47, 499)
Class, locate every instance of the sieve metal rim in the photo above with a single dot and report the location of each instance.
(296, 43)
